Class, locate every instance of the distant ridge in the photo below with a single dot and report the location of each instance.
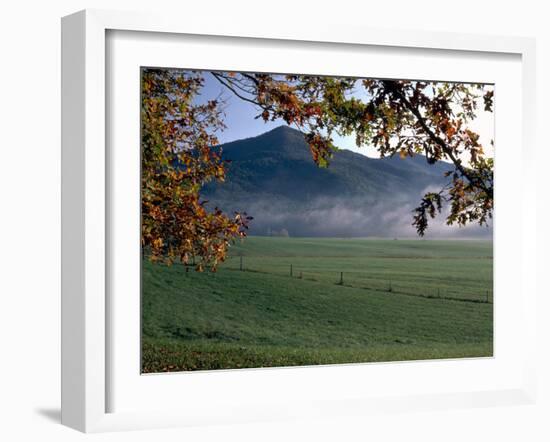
(273, 178)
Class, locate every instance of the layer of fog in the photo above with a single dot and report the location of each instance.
(337, 217)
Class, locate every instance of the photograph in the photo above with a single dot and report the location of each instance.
(303, 220)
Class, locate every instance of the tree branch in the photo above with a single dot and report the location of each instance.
(457, 163)
(229, 86)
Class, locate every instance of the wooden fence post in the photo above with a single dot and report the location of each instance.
(290, 269)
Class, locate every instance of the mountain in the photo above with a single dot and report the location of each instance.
(273, 178)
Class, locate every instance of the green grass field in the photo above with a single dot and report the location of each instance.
(396, 300)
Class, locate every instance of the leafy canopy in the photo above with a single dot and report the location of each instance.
(178, 158)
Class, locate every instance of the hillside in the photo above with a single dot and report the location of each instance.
(273, 178)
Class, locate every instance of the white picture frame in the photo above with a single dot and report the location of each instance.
(86, 315)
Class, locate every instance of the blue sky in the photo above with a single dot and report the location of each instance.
(240, 122)
(240, 114)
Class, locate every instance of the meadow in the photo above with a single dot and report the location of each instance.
(307, 301)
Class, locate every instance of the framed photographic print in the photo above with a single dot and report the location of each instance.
(288, 244)
(286, 223)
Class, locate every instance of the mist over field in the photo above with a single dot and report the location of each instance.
(331, 217)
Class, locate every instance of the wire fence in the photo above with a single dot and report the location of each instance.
(431, 288)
